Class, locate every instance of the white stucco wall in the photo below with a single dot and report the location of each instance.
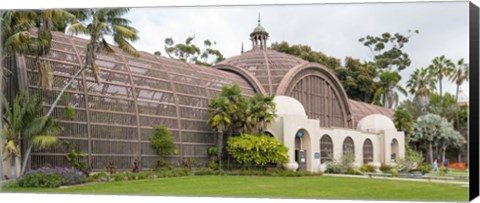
(289, 122)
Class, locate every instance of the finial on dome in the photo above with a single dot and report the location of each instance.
(259, 36)
(258, 18)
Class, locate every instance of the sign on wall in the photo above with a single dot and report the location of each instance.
(317, 155)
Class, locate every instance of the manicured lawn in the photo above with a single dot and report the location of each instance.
(318, 187)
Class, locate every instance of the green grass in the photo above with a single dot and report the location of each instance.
(318, 187)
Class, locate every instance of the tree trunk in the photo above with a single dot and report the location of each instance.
(26, 158)
(441, 103)
(459, 157)
(13, 167)
(430, 152)
(458, 109)
(444, 150)
(220, 143)
(50, 111)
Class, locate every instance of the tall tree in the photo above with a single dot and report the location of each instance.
(421, 84)
(387, 50)
(441, 67)
(459, 77)
(19, 36)
(191, 53)
(429, 128)
(389, 59)
(24, 121)
(388, 88)
(450, 138)
(305, 52)
(260, 113)
(221, 110)
(445, 106)
(358, 79)
(403, 121)
(227, 113)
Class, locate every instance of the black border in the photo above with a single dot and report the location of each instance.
(473, 101)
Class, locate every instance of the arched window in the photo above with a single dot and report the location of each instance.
(326, 149)
(348, 146)
(367, 151)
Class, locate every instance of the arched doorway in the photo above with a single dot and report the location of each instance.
(302, 143)
(394, 150)
(348, 146)
(326, 149)
(367, 151)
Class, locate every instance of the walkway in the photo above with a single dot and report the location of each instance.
(402, 179)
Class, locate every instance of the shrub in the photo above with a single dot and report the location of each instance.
(367, 168)
(343, 166)
(257, 150)
(51, 177)
(425, 167)
(74, 156)
(411, 161)
(161, 165)
(99, 176)
(118, 177)
(10, 184)
(394, 173)
(162, 141)
(385, 168)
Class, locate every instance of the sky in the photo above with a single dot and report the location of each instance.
(333, 29)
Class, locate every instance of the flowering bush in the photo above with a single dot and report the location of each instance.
(51, 177)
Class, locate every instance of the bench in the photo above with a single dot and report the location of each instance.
(384, 175)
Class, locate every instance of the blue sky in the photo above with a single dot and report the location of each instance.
(333, 29)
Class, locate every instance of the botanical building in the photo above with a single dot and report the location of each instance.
(115, 118)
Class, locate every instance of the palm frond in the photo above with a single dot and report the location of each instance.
(126, 46)
(77, 28)
(44, 141)
(125, 32)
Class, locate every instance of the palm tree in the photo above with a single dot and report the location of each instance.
(238, 104)
(441, 67)
(387, 93)
(420, 84)
(24, 121)
(221, 110)
(403, 121)
(18, 38)
(260, 113)
(459, 77)
(98, 23)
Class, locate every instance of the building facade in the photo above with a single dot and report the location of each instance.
(115, 118)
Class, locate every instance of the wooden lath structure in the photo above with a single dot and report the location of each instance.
(115, 118)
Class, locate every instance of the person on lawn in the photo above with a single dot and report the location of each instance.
(435, 166)
(445, 163)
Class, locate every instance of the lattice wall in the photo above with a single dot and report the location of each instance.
(319, 97)
(115, 119)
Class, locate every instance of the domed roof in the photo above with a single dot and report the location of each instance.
(259, 28)
(267, 65)
(375, 122)
(288, 106)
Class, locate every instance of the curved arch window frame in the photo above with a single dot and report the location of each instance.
(326, 148)
(345, 145)
(367, 151)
